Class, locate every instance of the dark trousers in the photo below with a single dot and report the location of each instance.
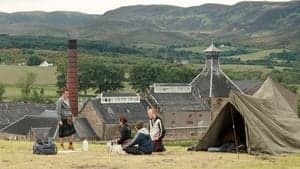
(158, 146)
(133, 150)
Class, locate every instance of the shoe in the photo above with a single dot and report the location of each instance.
(71, 147)
(62, 146)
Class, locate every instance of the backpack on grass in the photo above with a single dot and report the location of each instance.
(45, 147)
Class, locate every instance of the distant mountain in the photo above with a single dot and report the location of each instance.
(260, 23)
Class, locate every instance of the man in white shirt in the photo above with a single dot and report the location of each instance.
(157, 130)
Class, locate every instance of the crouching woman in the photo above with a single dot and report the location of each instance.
(141, 143)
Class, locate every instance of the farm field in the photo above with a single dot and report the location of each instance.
(256, 55)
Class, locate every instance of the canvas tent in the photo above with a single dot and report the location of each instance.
(264, 122)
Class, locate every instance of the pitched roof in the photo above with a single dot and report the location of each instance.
(212, 81)
(248, 86)
(84, 129)
(212, 48)
(49, 113)
(10, 112)
(112, 111)
(24, 125)
(179, 102)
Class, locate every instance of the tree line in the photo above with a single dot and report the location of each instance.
(107, 77)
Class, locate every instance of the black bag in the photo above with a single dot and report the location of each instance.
(44, 147)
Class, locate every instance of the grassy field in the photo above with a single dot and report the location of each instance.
(257, 55)
(18, 155)
(10, 74)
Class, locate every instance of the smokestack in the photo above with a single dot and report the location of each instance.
(72, 76)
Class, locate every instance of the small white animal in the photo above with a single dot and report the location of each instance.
(114, 148)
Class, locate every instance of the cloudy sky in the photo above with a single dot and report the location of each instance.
(95, 6)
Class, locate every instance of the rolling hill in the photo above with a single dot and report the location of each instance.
(269, 24)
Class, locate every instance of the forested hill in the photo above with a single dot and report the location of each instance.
(262, 23)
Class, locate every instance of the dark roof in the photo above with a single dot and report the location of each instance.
(24, 125)
(179, 102)
(84, 129)
(10, 112)
(49, 113)
(112, 111)
(119, 94)
(248, 86)
(212, 81)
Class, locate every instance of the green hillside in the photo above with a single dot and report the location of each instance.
(268, 24)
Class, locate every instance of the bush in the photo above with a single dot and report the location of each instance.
(33, 60)
(2, 91)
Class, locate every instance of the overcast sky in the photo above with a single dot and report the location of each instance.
(95, 6)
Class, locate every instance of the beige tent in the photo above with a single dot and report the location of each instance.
(264, 122)
(282, 97)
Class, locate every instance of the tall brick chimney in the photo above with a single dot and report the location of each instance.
(72, 76)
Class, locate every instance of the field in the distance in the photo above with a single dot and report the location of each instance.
(11, 74)
(18, 155)
(257, 55)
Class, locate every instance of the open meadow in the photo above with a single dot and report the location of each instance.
(18, 155)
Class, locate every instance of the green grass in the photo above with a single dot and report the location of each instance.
(12, 91)
(256, 55)
(18, 155)
(11, 74)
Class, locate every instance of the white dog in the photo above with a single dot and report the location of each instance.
(114, 148)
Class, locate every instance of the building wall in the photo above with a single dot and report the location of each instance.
(186, 125)
(186, 119)
(95, 121)
(111, 132)
(216, 103)
(185, 133)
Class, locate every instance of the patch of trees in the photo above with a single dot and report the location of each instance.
(33, 60)
(287, 56)
(238, 51)
(2, 91)
(143, 75)
(59, 44)
(28, 93)
(94, 75)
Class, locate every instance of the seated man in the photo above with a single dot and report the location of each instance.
(141, 143)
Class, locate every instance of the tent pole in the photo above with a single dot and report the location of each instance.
(234, 134)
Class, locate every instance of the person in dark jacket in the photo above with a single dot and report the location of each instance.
(141, 143)
(125, 131)
(65, 120)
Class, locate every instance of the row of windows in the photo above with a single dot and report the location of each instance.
(172, 89)
(120, 100)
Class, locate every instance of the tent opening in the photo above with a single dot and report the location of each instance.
(225, 141)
